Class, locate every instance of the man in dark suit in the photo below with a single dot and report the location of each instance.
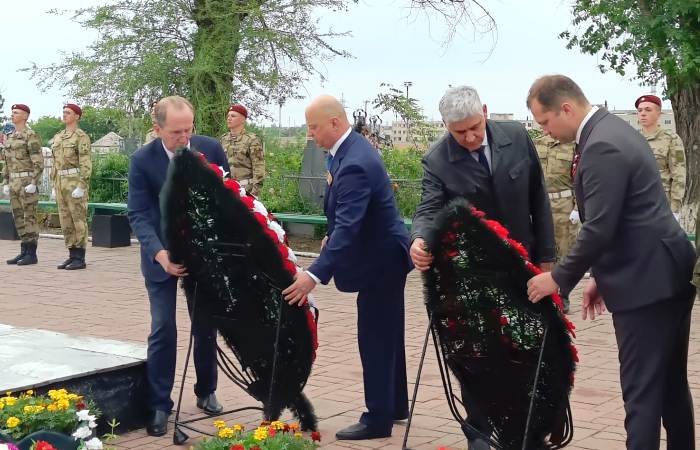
(641, 261)
(495, 166)
(366, 251)
(149, 164)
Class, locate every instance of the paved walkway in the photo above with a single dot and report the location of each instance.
(108, 300)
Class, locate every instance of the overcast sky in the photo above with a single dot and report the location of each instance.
(388, 43)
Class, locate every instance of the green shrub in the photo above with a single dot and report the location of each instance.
(108, 183)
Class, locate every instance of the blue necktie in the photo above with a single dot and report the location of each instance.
(329, 161)
(482, 159)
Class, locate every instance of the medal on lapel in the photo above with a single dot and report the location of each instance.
(329, 178)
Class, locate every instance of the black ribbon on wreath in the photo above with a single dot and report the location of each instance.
(514, 360)
(236, 273)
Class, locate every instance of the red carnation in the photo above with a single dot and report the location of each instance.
(503, 320)
(284, 251)
(452, 325)
(557, 301)
(43, 445)
(255, 447)
(272, 235)
(520, 248)
(574, 352)
(217, 169)
(271, 217)
(570, 326)
(477, 213)
(261, 219)
(452, 252)
(271, 431)
(496, 228)
(449, 237)
(316, 436)
(80, 405)
(237, 447)
(286, 428)
(233, 186)
(289, 266)
(533, 268)
(248, 201)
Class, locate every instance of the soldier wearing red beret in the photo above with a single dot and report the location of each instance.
(243, 151)
(667, 148)
(70, 173)
(22, 169)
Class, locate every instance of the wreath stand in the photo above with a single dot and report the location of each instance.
(452, 399)
(224, 362)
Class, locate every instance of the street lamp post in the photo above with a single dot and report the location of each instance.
(407, 84)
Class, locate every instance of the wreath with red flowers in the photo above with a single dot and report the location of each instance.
(238, 262)
(491, 336)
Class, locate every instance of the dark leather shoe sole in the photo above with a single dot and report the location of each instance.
(210, 410)
(158, 424)
(359, 432)
(156, 432)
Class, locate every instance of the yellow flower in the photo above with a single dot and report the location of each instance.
(277, 425)
(62, 404)
(30, 393)
(10, 401)
(219, 424)
(12, 422)
(225, 433)
(52, 407)
(260, 434)
(294, 426)
(238, 428)
(298, 435)
(73, 397)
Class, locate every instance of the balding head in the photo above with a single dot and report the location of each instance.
(326, 120)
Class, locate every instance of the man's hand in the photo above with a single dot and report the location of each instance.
(420, 255)
(541, 286)
(593, 302)
(78, 192)
(574, 217)
(170, 267)
(30, 188)
(324, 241)
(299, 290)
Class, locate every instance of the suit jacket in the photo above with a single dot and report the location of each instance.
(515, 193)
(638, 252)
(147, 172)
(367, 240)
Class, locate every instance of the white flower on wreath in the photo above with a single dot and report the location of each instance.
(83, 432)
(93, 444)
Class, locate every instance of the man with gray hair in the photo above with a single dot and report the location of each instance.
(494, 165)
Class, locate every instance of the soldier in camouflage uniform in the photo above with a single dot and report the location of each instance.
(244, 151)
(22, 168)
(556, 159)
(151, 135)
(667, 147)
(70, 173)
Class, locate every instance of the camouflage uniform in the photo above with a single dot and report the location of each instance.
(556, 160)
(668, 151)
(72, 168)
(23, 165)
(245, 157)
(150, 136)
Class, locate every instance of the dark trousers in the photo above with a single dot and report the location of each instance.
(653, 352)
(162, 348)
(380, 335)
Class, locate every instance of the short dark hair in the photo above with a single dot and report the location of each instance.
(551, 90)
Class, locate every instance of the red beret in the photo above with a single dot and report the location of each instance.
(75, 108)
(22, 107)
(239, 109)
(648, 98)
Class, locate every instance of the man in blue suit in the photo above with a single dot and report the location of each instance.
(149, 165)
(365, 251)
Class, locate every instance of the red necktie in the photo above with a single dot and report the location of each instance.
(574, 164)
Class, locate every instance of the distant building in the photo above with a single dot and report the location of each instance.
(399, 134)
(109, 143)
(666, 120)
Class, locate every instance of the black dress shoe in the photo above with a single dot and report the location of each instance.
(360, 431)
(158, 423)
(209, 404)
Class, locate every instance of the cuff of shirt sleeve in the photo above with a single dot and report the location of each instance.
(313, 277)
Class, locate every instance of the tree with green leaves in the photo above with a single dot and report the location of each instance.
(661, 38)
(46, 127)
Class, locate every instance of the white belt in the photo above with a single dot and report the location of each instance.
(560, 194)
(68, 171)
(20, 174)
(245, 183)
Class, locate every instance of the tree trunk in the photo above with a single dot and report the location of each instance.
(216, 44)
(686, 110)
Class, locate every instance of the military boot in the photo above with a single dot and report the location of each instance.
(71, 255)
(30, 256)
(78, 261)
(22, 252)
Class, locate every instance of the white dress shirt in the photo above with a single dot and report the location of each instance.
(487, 152)
(584, 122)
